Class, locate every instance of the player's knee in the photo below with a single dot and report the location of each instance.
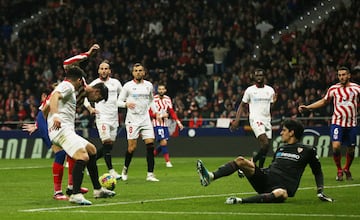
(242, 161)
(163, 142)
(280, 194)
(91, 149)
(81, 154)
(56, 148)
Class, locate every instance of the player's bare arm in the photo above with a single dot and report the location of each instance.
(318, 104)
(235, 124)
(54, 100)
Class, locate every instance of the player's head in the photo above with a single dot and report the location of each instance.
(75, 75)
(104, 70)
(98, 92)
(291, 129)
(138, 72)
(344, 75)
(259, 76)
(161, 89)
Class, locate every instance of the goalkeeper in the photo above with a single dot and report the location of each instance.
(282, 178)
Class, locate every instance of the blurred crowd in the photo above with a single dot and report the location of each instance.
(203, 51)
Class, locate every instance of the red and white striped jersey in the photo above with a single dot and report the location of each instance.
(345, 100)
(75, 59)
(163, 105)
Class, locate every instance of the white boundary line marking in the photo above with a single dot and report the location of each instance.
(67, 208)
(216, 213)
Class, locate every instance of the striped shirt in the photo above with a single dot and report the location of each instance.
(163, 105)
(345, 100)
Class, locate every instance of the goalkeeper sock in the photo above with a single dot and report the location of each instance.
(262, 198)
(226, 170)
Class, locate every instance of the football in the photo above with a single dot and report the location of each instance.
(108, 181)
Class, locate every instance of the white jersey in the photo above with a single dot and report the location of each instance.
(259, 100)
(66, 108)
(108, 111)
(142, 95)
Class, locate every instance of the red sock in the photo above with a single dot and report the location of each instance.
(167, 157)
(71, 163)
(58, 170)
(337, 160)
(349, 160)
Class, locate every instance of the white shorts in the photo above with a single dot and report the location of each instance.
(106, 131)
(146, 131)
(69, 141)
(261, 127)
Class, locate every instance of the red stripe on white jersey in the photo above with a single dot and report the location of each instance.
(345, 100)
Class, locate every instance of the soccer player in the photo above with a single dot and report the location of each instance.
(107, 119)
(282, 178)
(137, 96)
(343, 129)
(164, 106)
(41, 127)
(259, 98)
(61, 123)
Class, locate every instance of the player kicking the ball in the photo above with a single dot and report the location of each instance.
(61, 122)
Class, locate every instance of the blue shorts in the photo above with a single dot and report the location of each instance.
(346, 136)
(161, 133)
(42, 129)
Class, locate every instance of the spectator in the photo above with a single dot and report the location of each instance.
(196, 120)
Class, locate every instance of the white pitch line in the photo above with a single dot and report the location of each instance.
(216, 213)
(164, 200)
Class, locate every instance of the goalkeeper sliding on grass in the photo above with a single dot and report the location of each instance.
(282, 178)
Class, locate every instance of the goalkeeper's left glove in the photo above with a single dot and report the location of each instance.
(323, 197)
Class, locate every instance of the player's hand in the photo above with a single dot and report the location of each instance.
(234, 125)
(93, 48)
(31, 128)
(92, 110)
(324, 198)
(302, 108)
(130, 105)
(56, 122)
(181, 126)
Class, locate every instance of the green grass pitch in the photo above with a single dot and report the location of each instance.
(26, 193)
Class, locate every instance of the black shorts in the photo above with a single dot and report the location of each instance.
(262, 182)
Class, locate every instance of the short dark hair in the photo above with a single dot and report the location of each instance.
(259, 70)
(74, 72)
(344, 68)
(294, 125)
(104, 91)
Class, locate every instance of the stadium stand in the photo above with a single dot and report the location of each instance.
(172, 38)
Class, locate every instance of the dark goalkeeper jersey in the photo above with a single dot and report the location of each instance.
(289, 163)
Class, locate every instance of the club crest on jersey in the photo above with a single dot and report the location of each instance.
(300, 149)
